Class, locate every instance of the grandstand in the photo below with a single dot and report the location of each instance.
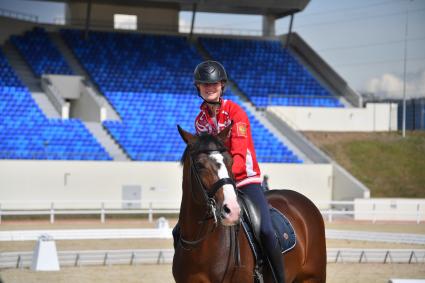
(143, 80)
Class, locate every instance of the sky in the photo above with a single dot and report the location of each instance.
(363, 40)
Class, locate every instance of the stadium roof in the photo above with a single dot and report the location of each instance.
(277, 8)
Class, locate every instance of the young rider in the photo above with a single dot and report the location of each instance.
(216, 113)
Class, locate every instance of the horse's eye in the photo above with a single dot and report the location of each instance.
(199, 165)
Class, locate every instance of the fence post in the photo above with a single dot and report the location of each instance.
(374, 213)
(77, 260)
(418, 215)
(19, 262)
(52, 213)
(388, 255)
(105, 259)
(133, 256)
(0, 213)
(361, 256)
(412, 254)
(102, 213)
(330, 218)
(150, 213)
(160, 256)
(338, 255)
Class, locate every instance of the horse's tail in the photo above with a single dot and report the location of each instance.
(310, 230)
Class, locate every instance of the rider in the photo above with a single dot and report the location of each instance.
(216, 113)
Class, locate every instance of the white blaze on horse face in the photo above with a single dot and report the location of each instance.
(231, 209)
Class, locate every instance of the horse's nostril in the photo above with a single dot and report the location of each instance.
(226, 209)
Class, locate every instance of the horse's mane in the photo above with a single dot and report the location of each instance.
(205, 142)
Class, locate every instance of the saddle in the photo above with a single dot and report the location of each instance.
(251, 223)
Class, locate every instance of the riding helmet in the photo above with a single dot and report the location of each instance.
(209, 72)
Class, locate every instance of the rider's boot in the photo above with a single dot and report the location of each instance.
(276, 262)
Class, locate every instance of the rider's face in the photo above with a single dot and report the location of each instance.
(211, 92)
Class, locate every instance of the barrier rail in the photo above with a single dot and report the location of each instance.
(165, 233)
(161, 256)
(335, 209)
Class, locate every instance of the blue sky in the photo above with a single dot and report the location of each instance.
(362, 40)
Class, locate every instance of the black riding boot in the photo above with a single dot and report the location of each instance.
(276, 262)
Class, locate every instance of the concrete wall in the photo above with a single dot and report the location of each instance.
(102, 15)
(69, 87)
(390, 209)
(75, 181)
(84, 103)
(312, 180)
(374, 117)
(346, 187)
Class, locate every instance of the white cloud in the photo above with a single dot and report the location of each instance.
(391, 86)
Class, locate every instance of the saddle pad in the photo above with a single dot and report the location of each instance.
(284, 230)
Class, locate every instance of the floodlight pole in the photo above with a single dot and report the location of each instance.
(404, 68)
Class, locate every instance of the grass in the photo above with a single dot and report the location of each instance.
(389, 165)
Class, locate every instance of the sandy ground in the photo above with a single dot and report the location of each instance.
(340, 272)
(337, 273)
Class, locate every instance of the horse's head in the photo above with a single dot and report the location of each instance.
(211, 174)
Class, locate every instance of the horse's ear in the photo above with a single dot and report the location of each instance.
(186, 136)
(224, 134)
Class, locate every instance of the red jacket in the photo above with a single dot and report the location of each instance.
(245, 166)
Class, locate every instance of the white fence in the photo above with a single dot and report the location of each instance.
(361, 209)
(165, 233)
(160, 256)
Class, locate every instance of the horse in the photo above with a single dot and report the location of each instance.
(212, 247)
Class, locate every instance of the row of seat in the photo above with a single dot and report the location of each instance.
(40, 53)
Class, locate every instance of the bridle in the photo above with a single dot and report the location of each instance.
(208, 195)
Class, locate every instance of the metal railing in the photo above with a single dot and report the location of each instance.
(165, 256)
(330, 210)
(277, 99)
(100, 208)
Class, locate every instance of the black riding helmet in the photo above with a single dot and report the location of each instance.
(209, 72)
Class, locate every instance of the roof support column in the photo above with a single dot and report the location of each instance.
(288, 38)
(88, 18)
(192, 25)
(269, 22)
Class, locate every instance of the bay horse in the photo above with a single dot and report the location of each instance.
(212, 248)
